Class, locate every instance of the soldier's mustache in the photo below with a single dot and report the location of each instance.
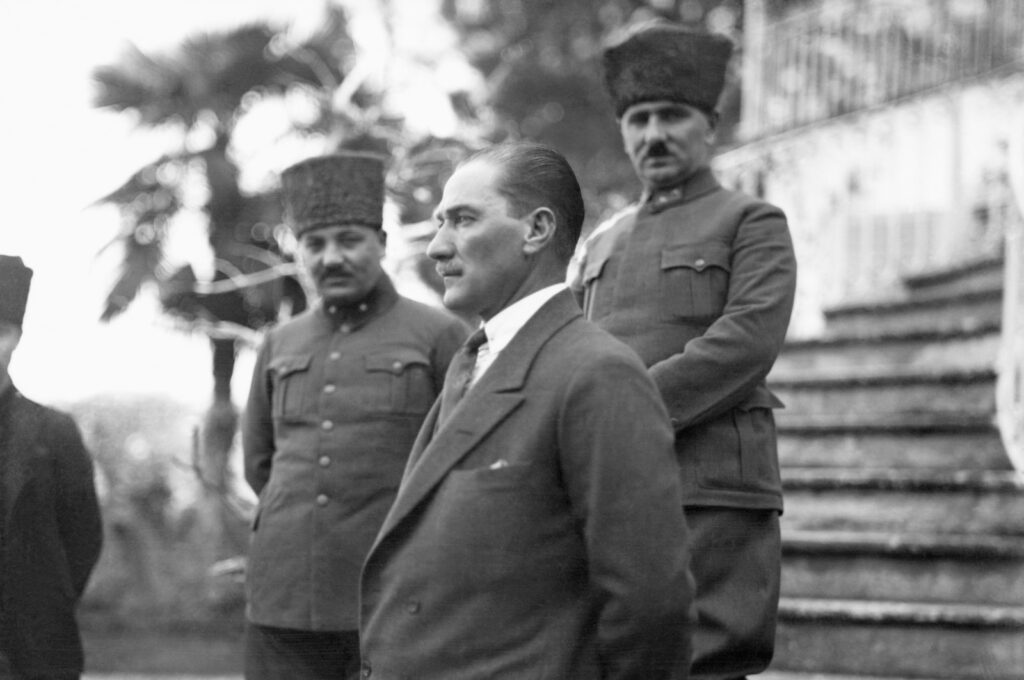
(657, 149)
(328, 272)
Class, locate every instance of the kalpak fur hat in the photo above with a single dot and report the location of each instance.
(15, 279)
(659, 60)
(342, 188)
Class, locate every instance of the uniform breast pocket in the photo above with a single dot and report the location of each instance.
(400, 382)
(695, 280)
(291, 384)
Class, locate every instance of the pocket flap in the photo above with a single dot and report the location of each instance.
(286, 365)
(395, 361)
(696, 256)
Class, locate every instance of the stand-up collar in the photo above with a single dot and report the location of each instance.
(699, 183)
(379, 300)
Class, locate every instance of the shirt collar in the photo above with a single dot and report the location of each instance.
(699, 183)
(504, 325)
(379, 300)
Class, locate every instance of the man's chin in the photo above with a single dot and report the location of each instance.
(342, 296)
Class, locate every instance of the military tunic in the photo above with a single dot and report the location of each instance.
(700, 281)
(337, 399)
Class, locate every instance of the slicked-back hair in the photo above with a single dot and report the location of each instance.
(536, 176)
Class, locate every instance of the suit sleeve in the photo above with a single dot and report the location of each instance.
(78, 510)
(620, 471)
(258, 423)
(718, 370)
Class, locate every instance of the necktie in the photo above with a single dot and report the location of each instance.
(460, 374)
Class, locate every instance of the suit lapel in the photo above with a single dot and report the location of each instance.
(496, 395)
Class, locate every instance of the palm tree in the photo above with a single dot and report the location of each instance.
(201, 90)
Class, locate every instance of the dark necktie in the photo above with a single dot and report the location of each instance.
(460, 375)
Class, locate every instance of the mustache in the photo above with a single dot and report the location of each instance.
(333, 270)
(656, 149)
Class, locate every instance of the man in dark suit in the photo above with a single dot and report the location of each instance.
(338, 395)
(699, 281)
(538, 531)
(50, 528)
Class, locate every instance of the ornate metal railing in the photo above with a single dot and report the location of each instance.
(850, 55)
(1010, 388)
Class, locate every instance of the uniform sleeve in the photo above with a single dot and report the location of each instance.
(258, 423)
(718, 370)
(620, 471)
(78, 510)
(447, 343)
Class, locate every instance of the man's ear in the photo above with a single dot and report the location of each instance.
(540, 232)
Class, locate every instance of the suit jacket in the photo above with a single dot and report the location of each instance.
(50, 536)
(539, 532)
(335, 405)
(700, 282)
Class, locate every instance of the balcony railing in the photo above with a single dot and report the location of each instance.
(848, 56)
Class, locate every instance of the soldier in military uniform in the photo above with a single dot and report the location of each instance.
(699, 281)
(50, 527)
(338, 395)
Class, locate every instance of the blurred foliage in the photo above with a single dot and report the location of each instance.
(541, 62)
(158, 540)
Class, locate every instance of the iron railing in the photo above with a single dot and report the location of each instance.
(845, 56)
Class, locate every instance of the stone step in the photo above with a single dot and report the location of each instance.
(916, 640)
(797, 675)
(888, 390)
(953, 501)
(919, 567)
(981, 273)
(963, 311)
(956, 349)
(870, 441)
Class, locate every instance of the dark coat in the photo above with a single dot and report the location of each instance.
(539, 532)
(51, 536)
(700, 283)
(334, 408)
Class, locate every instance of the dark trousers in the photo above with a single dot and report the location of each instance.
(288, 654)
(736, 560)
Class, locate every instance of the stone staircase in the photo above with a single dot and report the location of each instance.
(903, 536)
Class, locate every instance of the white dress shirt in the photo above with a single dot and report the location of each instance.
(504, 325)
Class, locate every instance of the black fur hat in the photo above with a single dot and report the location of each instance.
(659, 60)
(15, 279)
(342, 188)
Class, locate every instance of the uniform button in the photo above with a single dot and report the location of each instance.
(362, 307)
(397, 365)
(321, 500)
(329, 389)
(334, 355)
(325, 461)
(332, 309)
(346, 328)
(700, 262)
(366, 671)
(412, 607)
(327, 425)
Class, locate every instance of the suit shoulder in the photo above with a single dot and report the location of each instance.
(427, 314)
(53, 423)
(589, 345)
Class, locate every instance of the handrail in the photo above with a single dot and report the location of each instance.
(843, 57)
(1010, 385)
